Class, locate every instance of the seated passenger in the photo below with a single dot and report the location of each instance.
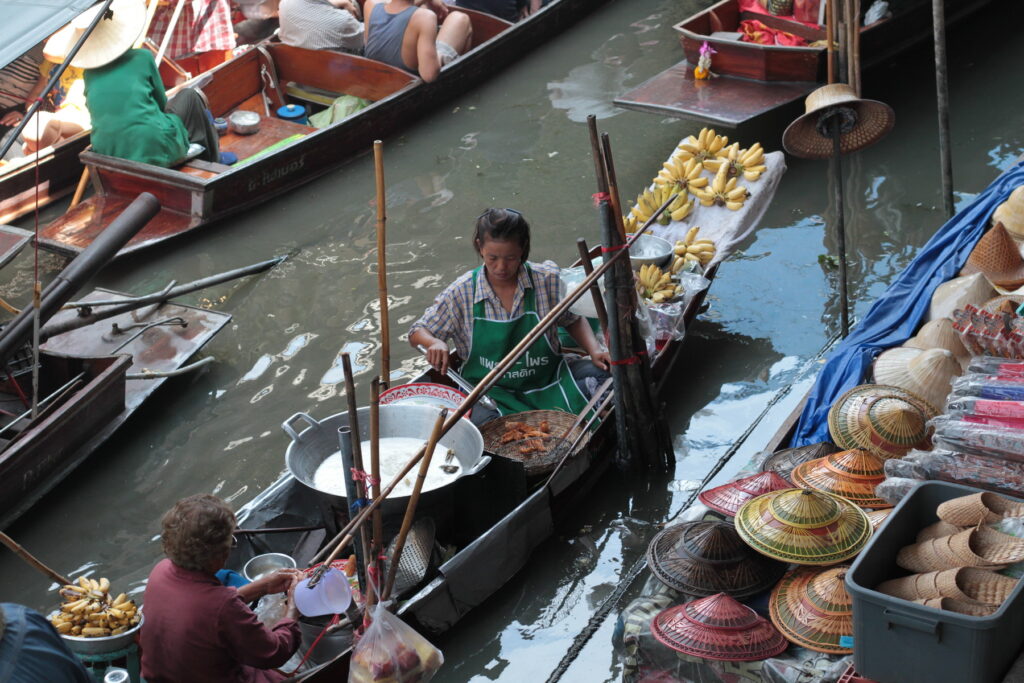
(64, 111)
(402, 34)
(196, 628)
(321, 24)
(131, 115)
(32, 650)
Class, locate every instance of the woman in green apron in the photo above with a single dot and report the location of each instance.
(488, 310)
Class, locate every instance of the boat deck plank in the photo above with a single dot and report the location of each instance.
(272, 130)
(725, 100)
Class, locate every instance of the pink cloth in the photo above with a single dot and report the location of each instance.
(204, 25)
(197, 630)
(755, 7)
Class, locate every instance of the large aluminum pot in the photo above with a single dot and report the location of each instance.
(103, 644)
(310, 447)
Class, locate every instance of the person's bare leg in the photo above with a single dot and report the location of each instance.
(457, 31)
(42, 130)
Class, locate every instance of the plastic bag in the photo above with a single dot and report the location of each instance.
(996, 366)
(271, 608)
(259, 9)
(982, 386)
(987, 440)
(393, 652)
(894, 489)
(667, 319)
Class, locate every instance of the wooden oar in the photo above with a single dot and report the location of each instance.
(410, 508)
(32, 560)
(344, 537)
(382, 267)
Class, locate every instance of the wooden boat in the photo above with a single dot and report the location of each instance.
(85, 375)
(12, 241)
(284, 154)
(754, 79)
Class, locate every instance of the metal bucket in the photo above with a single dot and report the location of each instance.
(329, 646)
(310, 447)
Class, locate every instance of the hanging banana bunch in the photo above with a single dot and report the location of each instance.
(705, 147)
(723, 191)
(656, 285)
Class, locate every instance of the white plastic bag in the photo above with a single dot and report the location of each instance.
(391, 651)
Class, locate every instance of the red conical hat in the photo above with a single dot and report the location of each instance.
(718, 627)
(730, 497)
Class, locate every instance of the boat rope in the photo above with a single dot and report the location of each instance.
(610, 602)
(37, 289)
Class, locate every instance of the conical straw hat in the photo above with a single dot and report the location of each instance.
(708, 557)
(862, 123)
(718, 627)
(1011, 213)
(782, 462)
(728, 498)
(939, 334)
(883, 419)
(926, 372)
(113, 36)
(878, 518)
(997, 257)
(851, 474)
(803, 526)
(812, 609)
(957, 293)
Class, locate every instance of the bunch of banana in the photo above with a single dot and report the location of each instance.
(684, 174)
(692, 249)
(746, 162)
(89, 611)
(723, 191)
(649, 201)
(655, 284)
(705, 147)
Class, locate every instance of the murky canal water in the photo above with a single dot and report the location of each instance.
(519, 141)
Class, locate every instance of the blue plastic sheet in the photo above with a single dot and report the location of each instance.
(896, 315)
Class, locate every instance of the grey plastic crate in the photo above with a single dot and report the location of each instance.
(898, 641)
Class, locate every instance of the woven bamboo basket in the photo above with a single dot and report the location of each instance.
(966, 584)
(536, 463)
(978, 508)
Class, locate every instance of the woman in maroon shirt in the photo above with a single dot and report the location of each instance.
(196, 629)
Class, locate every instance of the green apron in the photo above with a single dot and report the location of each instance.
(539, 380)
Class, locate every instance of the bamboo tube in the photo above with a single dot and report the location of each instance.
(382, 269)
(613, 187)
(410, 508)
(80, 189)
(31, 560)
(595, 151)
(378, 520)
(830, 19)
(344, 537)
(357, 460)
(595, 290)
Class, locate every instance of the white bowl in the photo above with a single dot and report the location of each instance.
(650, 249)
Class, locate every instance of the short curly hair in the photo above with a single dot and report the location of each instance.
(197, 531)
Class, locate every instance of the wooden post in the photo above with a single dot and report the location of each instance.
(830, 25)
(942, 104)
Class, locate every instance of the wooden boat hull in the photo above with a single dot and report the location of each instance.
(199, 194)
(58, 171)
(48, 451)
(12, 241)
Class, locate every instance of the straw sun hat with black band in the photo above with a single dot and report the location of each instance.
(114, 35)
(861, 123)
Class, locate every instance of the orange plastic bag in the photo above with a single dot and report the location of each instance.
(391, 651)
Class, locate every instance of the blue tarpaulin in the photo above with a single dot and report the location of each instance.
(897, 314)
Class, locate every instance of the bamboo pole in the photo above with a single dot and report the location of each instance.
(344, 537)
(32, 561)
(410, 508)
(837, 172)
(942, 105)
(357, 463)
(595, 290)
(80, 189)
(830, 20)
(382, 266)
(855, 47)
(378, 521)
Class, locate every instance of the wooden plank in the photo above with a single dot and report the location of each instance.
(724, 100)
(272, 130)
(12, 241)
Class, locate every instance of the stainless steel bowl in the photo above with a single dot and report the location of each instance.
(244, 122)
(266, 563)
(650, 249)
(104, 644)
(314, 444)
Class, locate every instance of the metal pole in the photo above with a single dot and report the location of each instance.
(837, 177)
(942, 102)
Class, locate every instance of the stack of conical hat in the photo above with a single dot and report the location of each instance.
(997, 257)
(957, 293)
(813, 609)
(851, 474)
(1011, 214)
(926, 372)
(939, 334)
(718, 627)
(803, 526)
(884, 419)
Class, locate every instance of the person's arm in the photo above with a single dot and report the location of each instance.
(249, 642)
(429, 65)
(437, 349)
(156, 84)
(584, 336)
(349, 6)
(276, 582)
(438, 7)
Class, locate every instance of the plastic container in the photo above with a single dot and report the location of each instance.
(331, 595)
(897, 641)
(295, 113)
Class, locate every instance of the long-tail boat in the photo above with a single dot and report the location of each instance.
(753, 79)
(284, 154)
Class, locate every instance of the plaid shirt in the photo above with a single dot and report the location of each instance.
(451, 316)
(204, 26)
